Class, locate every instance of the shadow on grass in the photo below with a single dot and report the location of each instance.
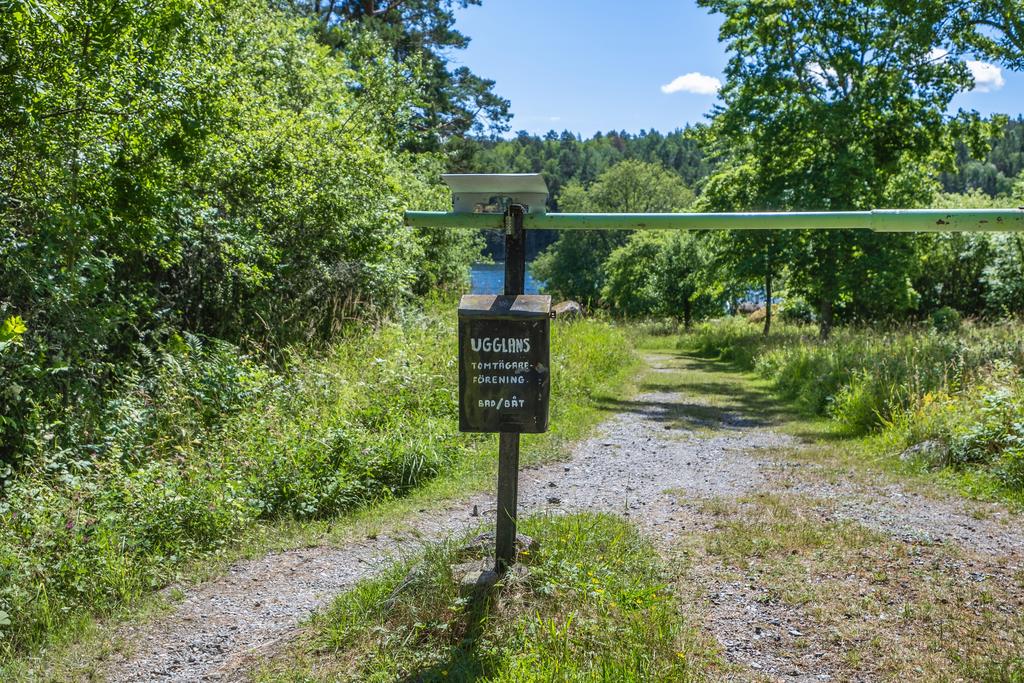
(716, 393)
(464, 662)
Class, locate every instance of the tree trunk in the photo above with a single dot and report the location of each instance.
(825, 313)
(687, 312)
(768, 291)
(829, 286)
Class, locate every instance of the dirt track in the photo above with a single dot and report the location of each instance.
(659, 461)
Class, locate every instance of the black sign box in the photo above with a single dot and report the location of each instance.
(504, 363)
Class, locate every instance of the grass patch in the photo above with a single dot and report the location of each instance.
(593, 606)
(366, 426)
(769, 526)
(960, 396)
(893, 610)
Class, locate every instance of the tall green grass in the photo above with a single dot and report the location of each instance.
(593, 605)
(213, 444)
(960, 391)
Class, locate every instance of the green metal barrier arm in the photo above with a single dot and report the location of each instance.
(915, 220)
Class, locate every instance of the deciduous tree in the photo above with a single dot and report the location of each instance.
(572, 265)
(836, 105)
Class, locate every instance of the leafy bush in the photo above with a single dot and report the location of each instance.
(861, 376)
(946, 319)
(200, 166)
(208, 443)
(796, 310)
(659, 273)
(962, 388)
(572, 266)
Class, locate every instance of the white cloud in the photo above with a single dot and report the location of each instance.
(693, 82)
(987, 77)
(937, 54)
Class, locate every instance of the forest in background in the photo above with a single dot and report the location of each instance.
(978, 275)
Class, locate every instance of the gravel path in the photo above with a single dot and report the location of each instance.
(641, 465)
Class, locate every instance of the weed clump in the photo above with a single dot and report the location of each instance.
(592, 605)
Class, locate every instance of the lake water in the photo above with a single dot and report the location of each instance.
(489, 278)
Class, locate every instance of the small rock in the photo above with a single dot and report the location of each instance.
(933, 452)
(475, 512)
(554, 500)
(567, 310)
(474, 578)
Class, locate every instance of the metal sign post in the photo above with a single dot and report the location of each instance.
(508, 442)
(504, 343)
(504, 375)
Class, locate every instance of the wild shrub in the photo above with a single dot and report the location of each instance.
(197, 166)
(960, 387)
(209, 443)
(946, 319)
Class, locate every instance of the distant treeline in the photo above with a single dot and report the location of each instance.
(566, 156)
(995, 173)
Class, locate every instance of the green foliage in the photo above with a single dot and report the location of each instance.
(843, 113)
(565, 157)
(572, 266)
(976, 433)
(890, 371)
(199, 166)
(961, 389)
(1004, 276)
(591, 607)
(207, 443)
(989, 28)
(796, 310)
(744, 259)
(656, 274)
(946, 319)
(631, 186)
(980, 274)
(452, 101)
(631, 283)
(993, 171)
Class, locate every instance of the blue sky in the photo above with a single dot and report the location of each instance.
(598, 65)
